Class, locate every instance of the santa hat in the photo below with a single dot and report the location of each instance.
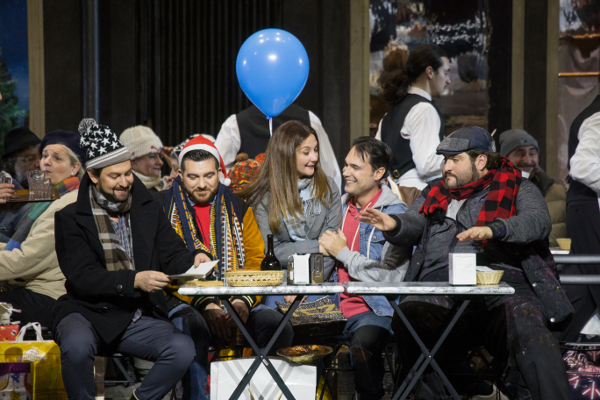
(201, 143)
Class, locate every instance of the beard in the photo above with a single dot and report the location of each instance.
(462, 179)
(202, 196)
(112, 196)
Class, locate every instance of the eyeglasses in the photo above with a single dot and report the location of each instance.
(29, 159)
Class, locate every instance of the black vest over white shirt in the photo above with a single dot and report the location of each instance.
(254, 127)
(402, 157)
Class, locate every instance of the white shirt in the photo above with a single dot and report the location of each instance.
(585, 163)
(229, 143)
(422, 128)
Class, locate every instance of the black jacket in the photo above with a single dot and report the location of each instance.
(108, 298)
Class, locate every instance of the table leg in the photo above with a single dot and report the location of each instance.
(261, 355)
(426, 356)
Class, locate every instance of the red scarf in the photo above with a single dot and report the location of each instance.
(500, 202)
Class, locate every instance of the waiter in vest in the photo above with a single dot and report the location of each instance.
(248, 132)
(583, 213)
(414, 126)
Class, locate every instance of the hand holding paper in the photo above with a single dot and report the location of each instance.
(198, 272)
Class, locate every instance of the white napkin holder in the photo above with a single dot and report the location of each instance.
(462, 268)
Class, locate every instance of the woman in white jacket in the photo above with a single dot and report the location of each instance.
(28, 261)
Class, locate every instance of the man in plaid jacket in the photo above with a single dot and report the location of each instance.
(482, 206)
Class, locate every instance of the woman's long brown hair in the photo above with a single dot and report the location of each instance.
(278, 177)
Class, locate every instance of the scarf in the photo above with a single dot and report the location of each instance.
(155, 182)
(226, 240)
(500, 202)
(296, 227)
(24, 227)
(116, 256)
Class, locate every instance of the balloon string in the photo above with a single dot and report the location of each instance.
(271, 126)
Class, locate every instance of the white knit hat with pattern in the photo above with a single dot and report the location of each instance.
(141, 141)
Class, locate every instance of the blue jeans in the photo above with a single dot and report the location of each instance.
(261, 324)
(149, 338)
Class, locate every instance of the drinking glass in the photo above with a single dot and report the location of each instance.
(36, 184)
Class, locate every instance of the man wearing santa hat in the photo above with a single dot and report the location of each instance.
(208, 216)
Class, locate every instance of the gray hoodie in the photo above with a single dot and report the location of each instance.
(378, 260)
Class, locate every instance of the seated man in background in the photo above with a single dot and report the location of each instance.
(483, 206)
(363, 255)
(208, 216)
(522, 150)
(21, 154)
(115, 247)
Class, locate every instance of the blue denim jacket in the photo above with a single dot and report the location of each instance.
(377, 260)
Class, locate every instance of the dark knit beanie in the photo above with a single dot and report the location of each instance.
(66, 138)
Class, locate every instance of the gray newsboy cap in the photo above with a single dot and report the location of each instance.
(467, 138)
(514, 138)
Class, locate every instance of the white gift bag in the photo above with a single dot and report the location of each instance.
(225, 376)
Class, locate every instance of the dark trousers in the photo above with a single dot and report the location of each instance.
(261, 324)
(369, 334)
(148, 338)
(583, 226)
(512, 328)
(34, 307)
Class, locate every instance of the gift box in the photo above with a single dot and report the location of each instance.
(15, 381)
(9, 333)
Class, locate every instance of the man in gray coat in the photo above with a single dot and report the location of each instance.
(482, 206)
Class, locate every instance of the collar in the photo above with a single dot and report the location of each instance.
(420, 92)
(353, 210)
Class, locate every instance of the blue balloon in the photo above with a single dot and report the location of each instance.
(272, 69)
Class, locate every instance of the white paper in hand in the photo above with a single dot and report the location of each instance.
(198, 272)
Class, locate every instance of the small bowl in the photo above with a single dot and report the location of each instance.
(489, 277)
(305, 355)
(564, 243)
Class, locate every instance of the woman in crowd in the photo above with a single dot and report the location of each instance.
(29, 261)
(146, 159)
(292, 197)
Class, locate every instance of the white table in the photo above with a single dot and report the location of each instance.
(463, 295)
(224, 293)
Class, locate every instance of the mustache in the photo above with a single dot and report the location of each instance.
(122, 188)
(447, 174)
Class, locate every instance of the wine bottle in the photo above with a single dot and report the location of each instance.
(270, 262)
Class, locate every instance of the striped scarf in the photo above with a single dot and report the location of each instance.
(115, 253)
(226, 240)
(22, 231)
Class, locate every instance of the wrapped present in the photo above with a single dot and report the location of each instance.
(9, 333)
(43, 358)
(15, 381)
